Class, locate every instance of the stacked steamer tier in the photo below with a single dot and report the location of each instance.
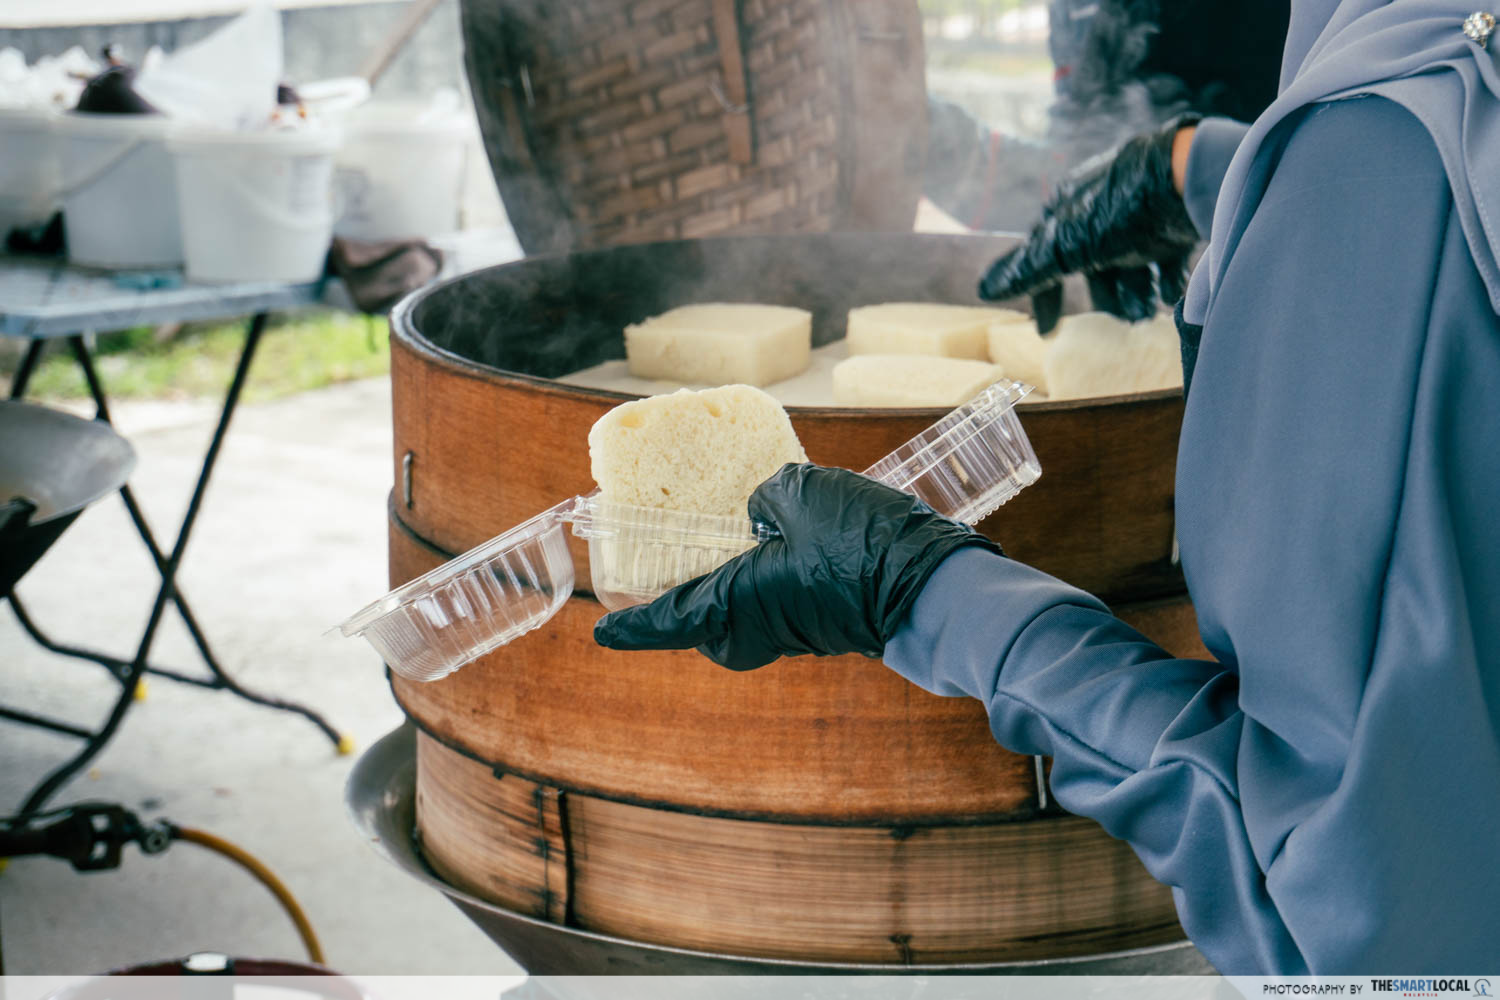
(817, 810)
(614, 121)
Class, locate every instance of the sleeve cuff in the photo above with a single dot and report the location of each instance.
(1214, 145)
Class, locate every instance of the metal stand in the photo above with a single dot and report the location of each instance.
(130, 672)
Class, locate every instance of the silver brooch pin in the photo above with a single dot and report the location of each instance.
(1479, 26)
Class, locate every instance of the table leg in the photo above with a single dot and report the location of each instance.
(96, 389)
(42, 722)
(23, 373)
(113, 664)
(167, 566)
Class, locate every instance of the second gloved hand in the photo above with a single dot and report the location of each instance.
(852, 557)
(1113, 221)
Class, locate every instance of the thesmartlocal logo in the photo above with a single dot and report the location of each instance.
(1432, 987)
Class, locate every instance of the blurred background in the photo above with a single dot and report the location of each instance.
(989, 57)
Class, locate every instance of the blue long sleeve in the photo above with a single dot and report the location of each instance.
(1325, 797)
(1214, 143)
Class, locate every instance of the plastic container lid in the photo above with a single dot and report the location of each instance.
(336, 95)
(964, 466)
(402, 121)
(306, 140)
(483, 599)
(92, 124)
(970, 462)
(22, 116)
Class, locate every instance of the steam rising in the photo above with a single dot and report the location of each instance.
(1106, 95)
(561, 312)
(1105, 100)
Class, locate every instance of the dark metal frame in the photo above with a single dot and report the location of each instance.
(130, 672)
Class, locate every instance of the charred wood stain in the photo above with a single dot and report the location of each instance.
(556, 892)
(901, 938)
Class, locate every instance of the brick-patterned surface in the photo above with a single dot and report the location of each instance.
(627, 122)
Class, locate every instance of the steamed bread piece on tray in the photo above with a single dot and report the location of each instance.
(1096, 354)
(813, 386)
(703, 451)
(910, 380)
(721, 343)
(924, 328)
(1018, 348)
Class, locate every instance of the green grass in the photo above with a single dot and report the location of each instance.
(297, 352)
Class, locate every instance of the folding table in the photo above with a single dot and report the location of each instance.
(42, 301)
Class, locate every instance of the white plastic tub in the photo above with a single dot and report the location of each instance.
(964, 466)
(119, 191)
(255, 206)
(28, 168)
(401, 171)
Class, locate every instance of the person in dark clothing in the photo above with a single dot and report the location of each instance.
(1323, 794)
(1222, 57)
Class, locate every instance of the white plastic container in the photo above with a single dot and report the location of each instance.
(255, 206)
(119, 191)
(401, 171)
(28, 168)
(964, 466)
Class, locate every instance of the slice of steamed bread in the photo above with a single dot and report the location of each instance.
(721, 343)
(924, 328)
(702, 451)
(1095, 354)
(910, 380)
(1020, 351)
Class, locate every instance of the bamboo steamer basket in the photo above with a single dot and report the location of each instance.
(610, 121)
(818, 809)
(381, 798)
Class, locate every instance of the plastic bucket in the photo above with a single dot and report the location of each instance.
(255, 206)
(401, 174)
(28, 168)
(119, 193)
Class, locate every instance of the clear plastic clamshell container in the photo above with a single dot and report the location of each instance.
(636, 554)
(490, 595)
(964, 467)
(970, 462)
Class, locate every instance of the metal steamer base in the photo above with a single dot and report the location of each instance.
(381, 797)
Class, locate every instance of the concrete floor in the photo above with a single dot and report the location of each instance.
(290, 541)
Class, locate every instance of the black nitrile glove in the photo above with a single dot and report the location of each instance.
(852, 557)
(1112, 221)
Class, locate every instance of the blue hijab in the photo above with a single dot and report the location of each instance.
(1413, 52)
